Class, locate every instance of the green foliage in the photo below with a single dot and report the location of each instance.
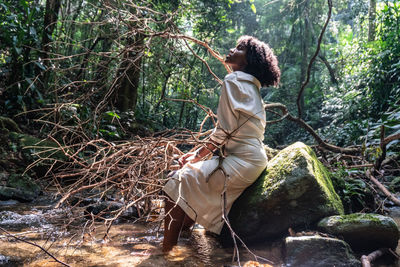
(92, 41)
(20, 26)
(367, 97)
(353, 191)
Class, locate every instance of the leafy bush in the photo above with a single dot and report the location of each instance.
(353, 191)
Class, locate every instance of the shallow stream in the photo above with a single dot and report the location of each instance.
(129, 244)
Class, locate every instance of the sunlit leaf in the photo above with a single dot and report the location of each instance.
(253, 8)
(113, 114)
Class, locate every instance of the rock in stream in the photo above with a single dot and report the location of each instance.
(295, 191)
(363, 231)
(317, 251)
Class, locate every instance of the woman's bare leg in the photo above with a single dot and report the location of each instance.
(173, 223)
(187, 223)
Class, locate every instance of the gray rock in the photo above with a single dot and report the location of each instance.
(19, 187)
(4, 177)
(8, 202)
(108, 209)
(363, 231)
(7, 193)
(317, 251)
(294, 191)
(4, 259)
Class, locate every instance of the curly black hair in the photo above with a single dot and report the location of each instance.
(262, 63)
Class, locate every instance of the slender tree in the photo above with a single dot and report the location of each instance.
(371, 19)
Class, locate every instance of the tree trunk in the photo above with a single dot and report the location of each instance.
(49, 24)
(181, 113)
(70, 35)
(129, 74)
(163, 90)
(102, 69)
(372, 17)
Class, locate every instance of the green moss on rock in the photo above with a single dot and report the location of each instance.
(23, 182)
(292, 159)
(295, 190)
(31, 145)
(363, 231)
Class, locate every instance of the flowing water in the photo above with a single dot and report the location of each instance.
(129, 244)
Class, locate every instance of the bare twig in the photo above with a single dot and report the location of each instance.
(383, 188)
(206, 45)
(309, 129)
(33, 244)
(359, 166)
(204, 62)
(210, 113)
(367, 259)
(391, 138)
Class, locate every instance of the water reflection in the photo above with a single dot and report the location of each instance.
(128, 244)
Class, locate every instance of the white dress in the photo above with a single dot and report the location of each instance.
(241, 124)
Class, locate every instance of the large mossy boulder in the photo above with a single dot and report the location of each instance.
(295, 191)
(363, 231)
(317, 251)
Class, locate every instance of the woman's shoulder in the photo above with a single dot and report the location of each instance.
(231, 76)
(242, 76)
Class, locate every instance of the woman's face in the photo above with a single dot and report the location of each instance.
(237, 57)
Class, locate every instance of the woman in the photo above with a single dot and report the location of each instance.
(195, 191)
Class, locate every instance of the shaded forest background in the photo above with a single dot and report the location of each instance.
(111, 67)
(79, 70)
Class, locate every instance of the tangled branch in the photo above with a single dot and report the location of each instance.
(33, 244)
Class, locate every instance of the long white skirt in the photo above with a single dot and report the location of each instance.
(203, 201)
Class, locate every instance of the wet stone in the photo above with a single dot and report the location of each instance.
(107, 209)
(7, 193)
(363, 231)
(4, 259)
(317, 251)
(19, 187)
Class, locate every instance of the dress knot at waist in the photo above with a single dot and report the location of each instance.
(235, 142)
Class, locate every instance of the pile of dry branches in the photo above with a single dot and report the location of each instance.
(130, 173)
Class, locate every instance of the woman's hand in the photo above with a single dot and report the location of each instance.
(191, 157)
(197, 155)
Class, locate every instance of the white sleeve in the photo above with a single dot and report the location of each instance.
(233, 99)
